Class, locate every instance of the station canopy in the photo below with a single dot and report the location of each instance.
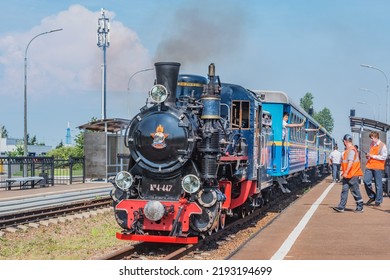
(357, 124)
(109, 125)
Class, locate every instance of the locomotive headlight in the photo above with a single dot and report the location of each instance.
(190, 183)
(154, 210)
(158, 93)
(124, 180)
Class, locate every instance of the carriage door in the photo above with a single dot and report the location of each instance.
(257, 149)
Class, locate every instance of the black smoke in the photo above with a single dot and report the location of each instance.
(200, 35)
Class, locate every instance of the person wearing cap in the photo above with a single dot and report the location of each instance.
(351, 171)
(375, 166)
(335, 161)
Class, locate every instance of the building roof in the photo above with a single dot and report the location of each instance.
(112, 125)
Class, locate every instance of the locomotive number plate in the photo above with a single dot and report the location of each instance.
(160, 188)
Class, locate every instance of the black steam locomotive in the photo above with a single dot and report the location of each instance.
(200, 151)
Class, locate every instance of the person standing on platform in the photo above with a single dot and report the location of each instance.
(351, 171)
(375, 167)
(357, 149)
(335, 161)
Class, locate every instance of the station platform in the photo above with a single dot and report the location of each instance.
(16, 192)
(310, 229)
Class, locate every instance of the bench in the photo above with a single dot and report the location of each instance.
(24, 181)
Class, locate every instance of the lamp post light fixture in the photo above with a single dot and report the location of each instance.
(25, 151)
(140, 71)
(131, 77)
(387, 87)
(377, 96)
(103, 41)
(365, 103)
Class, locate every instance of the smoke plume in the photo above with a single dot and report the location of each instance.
(200, 36)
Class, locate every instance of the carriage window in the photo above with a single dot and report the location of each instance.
(312, 134)
(240, 114)
(297, 134)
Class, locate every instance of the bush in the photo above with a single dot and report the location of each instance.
(66, 152)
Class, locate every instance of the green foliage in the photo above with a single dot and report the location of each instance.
(3, 132)
(80, 141)
(61, 144)
(306, 102)
(18, 152)
(33, 141)
(65, 152)
(324, 117)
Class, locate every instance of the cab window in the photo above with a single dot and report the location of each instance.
(240, 115)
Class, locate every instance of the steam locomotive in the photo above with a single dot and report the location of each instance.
(202, 151)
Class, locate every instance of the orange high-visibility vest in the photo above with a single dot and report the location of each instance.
(355, 169)
(373, 163)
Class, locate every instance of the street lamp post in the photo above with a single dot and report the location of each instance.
(128, 82)
(25, 89)
(387, 87)
(377, 96)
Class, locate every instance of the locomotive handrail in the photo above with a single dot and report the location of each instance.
(284, 158)
(262, 136)
(125, 138)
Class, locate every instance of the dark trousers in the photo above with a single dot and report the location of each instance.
(351, 184)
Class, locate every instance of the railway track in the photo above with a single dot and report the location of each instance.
(34, 209)
(31, 216)
(162, 251)
(143, 250)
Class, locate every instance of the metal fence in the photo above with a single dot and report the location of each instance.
(55, 171)
(69, 171)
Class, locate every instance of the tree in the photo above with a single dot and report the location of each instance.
(306, 103)
(324, 117)
(61, 144)
(79, 140)
(33, 140)
(18, 152)
(65, 152)
(3, 132)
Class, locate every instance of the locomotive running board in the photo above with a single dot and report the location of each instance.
(157, 239)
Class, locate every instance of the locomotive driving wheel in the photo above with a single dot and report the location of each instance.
(216, 228)
(243, 212)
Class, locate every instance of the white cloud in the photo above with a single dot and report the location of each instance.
(69, 62)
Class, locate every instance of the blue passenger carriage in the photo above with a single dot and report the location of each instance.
(299, 149)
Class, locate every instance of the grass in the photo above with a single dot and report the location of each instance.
(80, 239)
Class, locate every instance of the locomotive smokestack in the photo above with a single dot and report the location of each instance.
(167, 74)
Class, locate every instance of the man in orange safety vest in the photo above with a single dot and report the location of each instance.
(375, 166)
(350, 165)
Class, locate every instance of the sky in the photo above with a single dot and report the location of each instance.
(295, 46)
